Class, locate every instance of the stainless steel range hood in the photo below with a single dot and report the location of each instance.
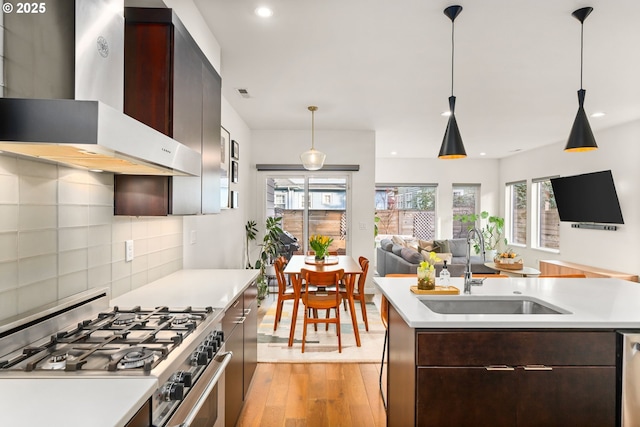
(64, 88)
(92, 135)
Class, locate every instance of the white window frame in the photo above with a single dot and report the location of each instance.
(535, 217)
(509, 210)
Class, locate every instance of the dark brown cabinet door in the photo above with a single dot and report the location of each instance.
(567, 396)
(250, 334)
(459, 397)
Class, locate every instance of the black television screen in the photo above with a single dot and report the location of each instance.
(590, 197)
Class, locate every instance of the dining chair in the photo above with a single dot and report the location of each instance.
(384, 316)
(327, 299)
(358, 290)
(284, 292)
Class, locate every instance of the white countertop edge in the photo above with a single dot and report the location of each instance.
(217, 288)
(592, 303)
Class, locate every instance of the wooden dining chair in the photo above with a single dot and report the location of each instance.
(327, 299)
(384, 316)
(358, 290)
(285, 292)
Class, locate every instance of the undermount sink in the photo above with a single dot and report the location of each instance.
(490, 305)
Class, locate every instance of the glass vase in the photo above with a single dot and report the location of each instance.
(426, 280)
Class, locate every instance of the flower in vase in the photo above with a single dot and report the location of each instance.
(320, 244)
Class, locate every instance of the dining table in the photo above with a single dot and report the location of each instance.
(331, 263)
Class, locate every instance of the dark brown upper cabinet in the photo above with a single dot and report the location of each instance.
(170, 85)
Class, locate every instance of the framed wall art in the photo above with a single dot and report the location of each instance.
(235, 150)
(234, 171)
(225, 140)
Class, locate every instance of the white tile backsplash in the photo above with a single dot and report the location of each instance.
(8, 275)
(8, 246)
(37, 191)
(36, 217)
(58, 237)
(37, 269)
(38, 242)
(8, 189)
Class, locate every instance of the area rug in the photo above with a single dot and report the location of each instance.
(321, 346)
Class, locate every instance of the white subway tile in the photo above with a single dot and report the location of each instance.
(8, 275)
(99, 235)
(38, 217)
(8, 218)
(119, 287)
(37, 269)
(73, 216)
(99, 215)
(72, 261)
(9, 189)
(70, 284)
(37, 191)
(139, 264)
(99, 277)
(73, 238)
(120, 270)
(74, 193)
(139, 279)
(139, 228)
(37, 169)
(8, 246)
(8, 304)
(37, 294)
(41, 242)
(8, 164)
(121, 230)
(99, 255)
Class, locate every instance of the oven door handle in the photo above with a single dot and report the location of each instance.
(205, 394)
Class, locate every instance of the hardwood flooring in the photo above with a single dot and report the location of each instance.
(314, 394)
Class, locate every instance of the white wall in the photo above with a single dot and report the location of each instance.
(619, 150)
(445, 173)
(341, 147)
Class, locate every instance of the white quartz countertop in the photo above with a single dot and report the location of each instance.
(76, 402)
(592, 303)
(196, 288)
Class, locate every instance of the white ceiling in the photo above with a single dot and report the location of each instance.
(385, 65)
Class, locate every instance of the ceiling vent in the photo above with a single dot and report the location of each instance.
(243, 93)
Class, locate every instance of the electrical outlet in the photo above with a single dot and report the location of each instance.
(128, 250)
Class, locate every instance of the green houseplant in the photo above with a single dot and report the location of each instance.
(268, 251)
(492, 230)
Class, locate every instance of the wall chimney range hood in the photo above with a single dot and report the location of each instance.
(64, 89)
(91, 135)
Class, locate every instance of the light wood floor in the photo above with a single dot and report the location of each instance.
(314, 394)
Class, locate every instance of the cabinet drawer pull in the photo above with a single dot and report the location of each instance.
(537, 368)
(241, 321)
(247, 311)
(499, 368)
(235, 304)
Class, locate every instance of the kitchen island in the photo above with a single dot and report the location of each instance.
(508, 369)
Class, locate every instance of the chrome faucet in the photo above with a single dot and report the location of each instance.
(468, 281)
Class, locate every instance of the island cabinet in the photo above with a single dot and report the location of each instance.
(170, 86)
(523, 377)
(240, 327)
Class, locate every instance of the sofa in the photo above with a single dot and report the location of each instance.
(397, 255)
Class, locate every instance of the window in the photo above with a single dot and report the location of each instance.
(516, 198)
(327, 199)
(465, 201)
(546, 224)
(406, 210)
(279, 200)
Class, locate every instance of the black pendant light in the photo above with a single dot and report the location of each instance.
(581, 137)
(452, 146)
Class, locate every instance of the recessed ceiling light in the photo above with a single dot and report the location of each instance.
(483, 154)
(393, 153)
(264, 12)
(445, 113)
(96, 170)
(599, 114)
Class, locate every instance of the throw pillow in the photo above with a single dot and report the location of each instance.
(399, 241)
(426, 245)
(397, 249)
(411, 255)
(386, 244)
(441, 246)
(458, 247)
(442, 255)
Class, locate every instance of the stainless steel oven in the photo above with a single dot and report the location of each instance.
(182, 347)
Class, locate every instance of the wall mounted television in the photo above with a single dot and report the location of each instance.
(587, 198)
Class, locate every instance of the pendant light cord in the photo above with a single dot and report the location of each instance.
(581, 50)
(312, 132)
(452, 52)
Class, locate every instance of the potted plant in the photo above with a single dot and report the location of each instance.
(492, 232)
(268, 252)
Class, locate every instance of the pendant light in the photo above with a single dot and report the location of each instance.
(313, 159)
(452, 147)
(581, 137)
